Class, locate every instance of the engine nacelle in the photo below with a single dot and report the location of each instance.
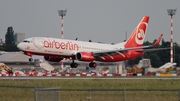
(84, 56)
(53, 58)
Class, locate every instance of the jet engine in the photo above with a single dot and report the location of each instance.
(84, 56)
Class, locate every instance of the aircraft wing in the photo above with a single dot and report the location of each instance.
(111, 53)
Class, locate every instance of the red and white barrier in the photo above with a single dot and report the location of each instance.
(20, 73)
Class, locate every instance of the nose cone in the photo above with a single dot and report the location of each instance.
(20, 46)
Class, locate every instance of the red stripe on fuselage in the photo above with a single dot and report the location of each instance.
(43, 54)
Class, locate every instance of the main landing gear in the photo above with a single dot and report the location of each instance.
(75, 65)
(30, 59)
(92, 64)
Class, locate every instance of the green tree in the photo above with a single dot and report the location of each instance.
(9, 40)
(177, 54)
(1, 48)
(155, 60)
(9, 37)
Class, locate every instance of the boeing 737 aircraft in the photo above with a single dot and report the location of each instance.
(55, 50)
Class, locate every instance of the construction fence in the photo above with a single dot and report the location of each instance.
(20, 93)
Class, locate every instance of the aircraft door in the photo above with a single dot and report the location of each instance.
(38, 43)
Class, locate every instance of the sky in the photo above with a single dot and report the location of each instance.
(99, 20)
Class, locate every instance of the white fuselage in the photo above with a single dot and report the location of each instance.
(63, 47)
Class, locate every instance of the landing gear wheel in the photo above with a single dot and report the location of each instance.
(74, 65)
(30, 59)
(92, 64)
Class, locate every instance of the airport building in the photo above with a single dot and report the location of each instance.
(1, 42)
(19, 37)
(17, 60)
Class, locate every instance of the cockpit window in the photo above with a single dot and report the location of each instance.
(26, 41)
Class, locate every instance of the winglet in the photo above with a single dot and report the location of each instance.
(158, 41)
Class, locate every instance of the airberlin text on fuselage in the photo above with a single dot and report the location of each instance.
(60, 45)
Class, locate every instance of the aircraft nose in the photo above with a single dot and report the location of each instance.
(19, 46)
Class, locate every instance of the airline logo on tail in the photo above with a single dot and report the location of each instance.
(140, 33)
(137, 37)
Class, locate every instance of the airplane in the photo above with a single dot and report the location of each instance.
(162, 69)
(168, 65)
(55, 50)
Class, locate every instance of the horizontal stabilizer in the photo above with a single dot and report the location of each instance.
(152, 49)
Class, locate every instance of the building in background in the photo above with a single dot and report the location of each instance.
(1, 42)
(19, 37)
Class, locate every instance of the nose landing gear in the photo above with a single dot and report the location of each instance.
(30, 59)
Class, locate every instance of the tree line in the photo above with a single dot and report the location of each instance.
(158, 58)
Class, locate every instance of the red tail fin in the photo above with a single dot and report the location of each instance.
(137, 37)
